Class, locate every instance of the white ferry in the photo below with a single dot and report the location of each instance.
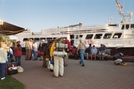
(112, 35)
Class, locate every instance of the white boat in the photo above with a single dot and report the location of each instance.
(112, 35)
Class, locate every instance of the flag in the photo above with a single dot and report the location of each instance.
(119, 5)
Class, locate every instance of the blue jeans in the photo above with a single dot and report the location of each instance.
(2, 69)
(35, 55)
(18, 60)
(82, 53)
(9, 59)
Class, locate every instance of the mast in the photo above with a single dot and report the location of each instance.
(129, 14)
(119, 7)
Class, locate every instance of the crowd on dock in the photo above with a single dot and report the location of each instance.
(53, 54)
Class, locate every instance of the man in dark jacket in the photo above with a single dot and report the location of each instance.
(117, 58)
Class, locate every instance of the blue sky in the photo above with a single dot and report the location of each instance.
(37, 15)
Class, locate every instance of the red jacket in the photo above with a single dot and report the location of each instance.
(69, 44)
(17, 52)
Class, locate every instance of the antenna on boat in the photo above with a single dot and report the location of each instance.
(110, 19)
(129, 14)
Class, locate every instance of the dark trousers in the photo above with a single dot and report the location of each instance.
(2, 69)
(18, 60)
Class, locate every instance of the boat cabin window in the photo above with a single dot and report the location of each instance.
(25, 39)
(117, 35)
(112, 24)
(125, 26)
(98, 36)
(132, 26)
(80, 36)
(89, 36)
(122, 27)
(37, 39)
(42, 38)
(107, 36)
(63, 37)
(54, 38)
(76, 37)
(71, 36)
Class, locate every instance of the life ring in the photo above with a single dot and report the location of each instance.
(90, 41)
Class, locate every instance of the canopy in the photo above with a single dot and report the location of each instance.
(10, 29)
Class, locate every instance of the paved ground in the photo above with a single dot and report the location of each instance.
(95, 75)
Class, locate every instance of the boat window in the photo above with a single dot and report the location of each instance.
(107, 36)
(122, 27)
(49, 38)
(112, 24)
(76, 36)
(98, 36)
(25, 39)
(89, 36)
(37, 39)
(81, 36)
(64, 37)
(127, 26)
(117, 35)
(132, 26)
(42, 38)
(71, 36)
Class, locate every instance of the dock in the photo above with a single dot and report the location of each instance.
(95, 75)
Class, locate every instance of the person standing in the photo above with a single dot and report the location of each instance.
(67, 50)
(41, 49)
(18, 53)
(35, 48)
(3, 60)
(58, 54)
(81, 49)
(28, 48)
(9, 53)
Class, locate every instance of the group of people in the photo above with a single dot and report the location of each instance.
(33, 50)
(7, 52)
(92, 52)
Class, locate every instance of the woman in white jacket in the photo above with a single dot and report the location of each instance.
(3, 60)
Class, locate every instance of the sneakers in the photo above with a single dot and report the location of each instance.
(3, 78)
(83, 65)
